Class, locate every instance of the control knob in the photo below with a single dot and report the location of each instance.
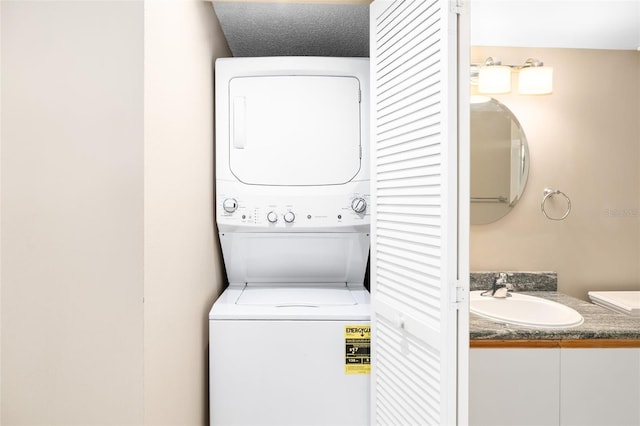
(230, 205)
(272, 217)
(289, 217)
(359, 205)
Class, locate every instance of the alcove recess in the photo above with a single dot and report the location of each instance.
(290, 28)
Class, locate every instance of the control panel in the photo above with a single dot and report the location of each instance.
(297, 213)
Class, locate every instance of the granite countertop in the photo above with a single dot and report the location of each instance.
(599, 323)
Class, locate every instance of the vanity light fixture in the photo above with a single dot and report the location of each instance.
(535, 78)
(493, 78)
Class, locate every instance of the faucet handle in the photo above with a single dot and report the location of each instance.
(501, 278)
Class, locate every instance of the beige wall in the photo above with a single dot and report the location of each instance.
(1, 214)
(584, 140)
(106, 198)
(182, 266)
(72, 213)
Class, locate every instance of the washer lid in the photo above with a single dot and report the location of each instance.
(291, 303)
(294, 130)
(288, 295)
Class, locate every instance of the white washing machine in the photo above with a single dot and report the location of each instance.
(289, 337)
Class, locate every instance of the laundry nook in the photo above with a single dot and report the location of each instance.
(290, 336)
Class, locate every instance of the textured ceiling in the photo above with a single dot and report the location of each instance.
(294, 29)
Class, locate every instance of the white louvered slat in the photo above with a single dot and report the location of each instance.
(421, 76)
(411, 182)
(411, 220)
(413, 397)
(425, 64)
(391, 232)
(409, 107)
(414, 212)
(407, 36)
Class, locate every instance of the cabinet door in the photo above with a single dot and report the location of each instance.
(600, 387)
(514, 387)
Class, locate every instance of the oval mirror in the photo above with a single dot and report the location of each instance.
(499, 160)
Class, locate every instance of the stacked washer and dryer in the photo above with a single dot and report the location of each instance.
(289, 337)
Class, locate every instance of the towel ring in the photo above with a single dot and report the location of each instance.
(548, 193)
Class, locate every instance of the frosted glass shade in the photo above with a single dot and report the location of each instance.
(494, 79)
(535, 81)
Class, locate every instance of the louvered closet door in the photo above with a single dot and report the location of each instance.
(414, 258)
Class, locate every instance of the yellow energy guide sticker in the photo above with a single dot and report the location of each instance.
(357, 345)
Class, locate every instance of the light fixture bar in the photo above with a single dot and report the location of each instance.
(495, 78)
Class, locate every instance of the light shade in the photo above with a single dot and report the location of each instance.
(494, 79)
(535, 81)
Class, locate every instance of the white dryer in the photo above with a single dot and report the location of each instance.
(289, 337)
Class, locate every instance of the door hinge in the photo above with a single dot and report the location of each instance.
(456, 6)
(458, 295)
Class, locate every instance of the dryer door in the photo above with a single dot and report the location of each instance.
(294, 130)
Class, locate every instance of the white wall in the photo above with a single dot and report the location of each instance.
(183, 270)
(72, 213)
(586, 24)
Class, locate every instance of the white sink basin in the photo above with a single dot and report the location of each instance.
(525, 310)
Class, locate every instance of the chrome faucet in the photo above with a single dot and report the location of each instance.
(500, 287)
